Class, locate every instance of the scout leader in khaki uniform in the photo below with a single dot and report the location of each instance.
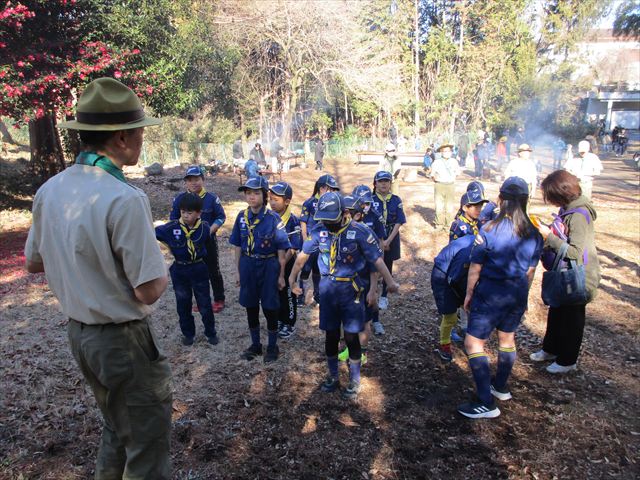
(93, 237)
(444, 172)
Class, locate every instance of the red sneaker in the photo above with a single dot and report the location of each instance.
(218, 306)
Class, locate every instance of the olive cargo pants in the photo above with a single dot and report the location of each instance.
(131, 381)
(445, 204)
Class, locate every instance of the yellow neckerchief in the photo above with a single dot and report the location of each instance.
(333, 251)
(384, 201)
(251, 226)
(317, 196)
(472, 223)
(286, 215)
(202, 193)
(187, 233)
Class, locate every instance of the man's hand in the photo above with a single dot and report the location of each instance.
(393, 287)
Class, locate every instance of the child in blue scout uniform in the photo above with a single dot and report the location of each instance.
(344, 247)
(251, 168)
(325, 183)
(213, 214)
(466, 221)
(389, 206)
(187, 239)
(503, 262)
(261, 244)
(280, 196)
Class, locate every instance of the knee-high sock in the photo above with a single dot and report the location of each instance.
(506, 359)
(446, 326)
(479, 364)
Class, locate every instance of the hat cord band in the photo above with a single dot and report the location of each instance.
(111, 118)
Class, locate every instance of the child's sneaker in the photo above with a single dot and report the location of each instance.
(330, 384)
(378, 328)
(444, 351)
(501, 393)
(286, 331)
(272, 354)
(186, 341)
(352, 391)
(218, 306)
(479, 410)
(383, 303)
(252, 352)
(343, 355)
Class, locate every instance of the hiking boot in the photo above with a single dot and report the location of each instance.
(186, 341)
(378, 328)
(383, 303)
(352, 390)
(555, 368)
(286, 331)
(218, 306)
(330, 384)
(343, 355)
(213, 340)
(272, 354)
(252, 352)
(501, 393)
(479, 410)
(445, 354)
(541, 356)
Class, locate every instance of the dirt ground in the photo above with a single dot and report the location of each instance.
(240, 420)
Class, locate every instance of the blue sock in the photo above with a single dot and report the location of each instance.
(332, 363)
(479, 364)
(273, 338)
(354, 371)
(506, 359)
(255, 336)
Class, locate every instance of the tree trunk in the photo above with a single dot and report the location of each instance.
(47, 158)
(6, 135)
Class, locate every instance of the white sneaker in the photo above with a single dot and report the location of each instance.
(541, 356)
(555, 368)
(383, 303)
(378, 328)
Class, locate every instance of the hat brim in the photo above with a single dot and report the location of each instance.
(321, 216)
(446, 145)
(244, 188)
(76, 125)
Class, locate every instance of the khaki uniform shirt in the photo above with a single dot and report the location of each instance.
(95, 237)
(526, 170)
(445, 170)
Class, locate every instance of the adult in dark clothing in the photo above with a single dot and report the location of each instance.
(258, 155)
(318, 153)
(480, 157)
(463, 148)
(237, 149)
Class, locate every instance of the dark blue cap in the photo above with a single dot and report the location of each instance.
(194, 171)
(363, 192)
(514, 187)
(330, 207)
(383, 175)
(254, 183)
(329, 181)
(282, 189)
(472, 197)
(354, 203)
(475, 185)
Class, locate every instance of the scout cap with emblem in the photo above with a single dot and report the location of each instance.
(363, 192)
(475, 185)
(383, 175)
(106, 105)
(524, 147)
(330, 207)
(472, 197)
(354, 203)
(445, 145)
(514, 187)
(193, 171)
(327, 180)
(254, 183)
(282, 189)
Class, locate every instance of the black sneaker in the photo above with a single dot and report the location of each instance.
(330, 384)
(352, 390)
(252, 352)
(500, 393)
(479, 410)
(186, 341)
(272, 354)
(213, 340)
(286, 331)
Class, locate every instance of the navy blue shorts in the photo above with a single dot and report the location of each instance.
(338, 306)
(259, 282)
(497, 305)
(447, 300)
(394, 249)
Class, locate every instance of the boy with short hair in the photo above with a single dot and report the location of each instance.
(187, 239)
(213, 214)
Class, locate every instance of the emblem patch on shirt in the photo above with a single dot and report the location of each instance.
(177, 232)
(280, 226)
(241, 220)
(351, 235)
(370, 239)
(376, 204)
(324, 233)
(478, 240)
(463, 228)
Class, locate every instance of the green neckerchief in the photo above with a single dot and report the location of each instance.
(94, 160)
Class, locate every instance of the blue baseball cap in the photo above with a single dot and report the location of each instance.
(363, 192)
(282, 189)
(193, 171)
(328, 180)
(475, 185)
(472, 197)
(330, 207)
(383, 175)
(254, 183)
(354, 203)
(514, 187)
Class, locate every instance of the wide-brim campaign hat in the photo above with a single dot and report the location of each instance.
(330, 207)
(524, 148)
(444, 145)
(254, 183)
(107, 105)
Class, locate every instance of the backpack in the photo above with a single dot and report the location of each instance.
(559, 229)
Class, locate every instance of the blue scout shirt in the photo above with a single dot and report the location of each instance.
(176, 236)
(294, 232)
(374, 221)
(259, 234)
(462, 226)
(354, 246)
(212, 211)
(308, 211)
(391, 211)
(489, 212)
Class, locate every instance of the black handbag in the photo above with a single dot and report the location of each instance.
(565, 283)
